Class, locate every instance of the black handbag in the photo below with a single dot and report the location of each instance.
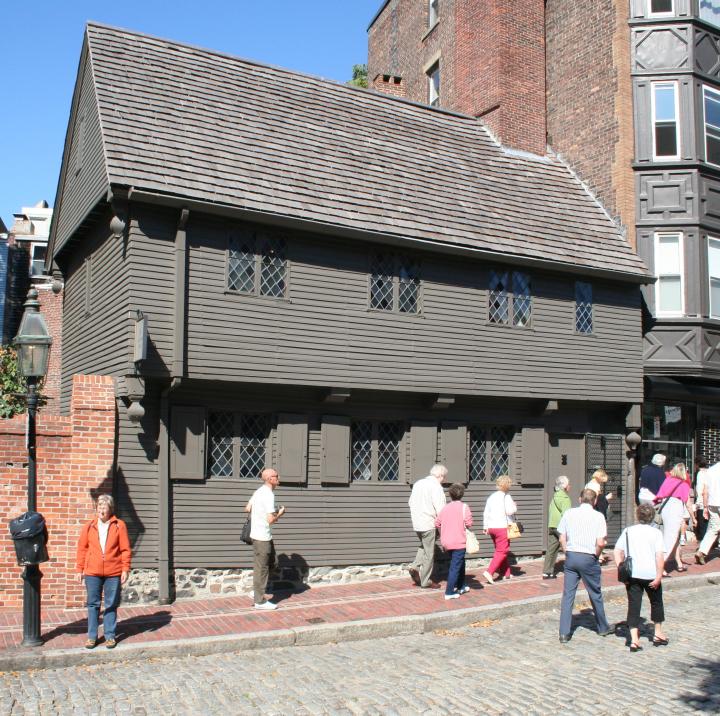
(245, 534)
(626, 566)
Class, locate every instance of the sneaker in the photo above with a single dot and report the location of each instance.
(266, 605)
(110, 643)
(464, 589)
(699, 557)
(91, 643)
(549, 576)
(455, 595)
(489, 577)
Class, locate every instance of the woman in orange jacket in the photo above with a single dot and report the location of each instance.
(103, 560)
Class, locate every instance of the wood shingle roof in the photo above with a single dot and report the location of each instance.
(208, 127)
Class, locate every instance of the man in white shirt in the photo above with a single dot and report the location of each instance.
(426, 500)
(711, 512)
(582, 537)
(262, 516)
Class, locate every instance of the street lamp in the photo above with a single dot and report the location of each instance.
(33, 348)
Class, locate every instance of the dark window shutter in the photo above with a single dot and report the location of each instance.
(455, 451)
(423, 448)
(335, 450)
(533, 457)
(292, 438)
(187, 443)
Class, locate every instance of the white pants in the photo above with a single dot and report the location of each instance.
(672, 515)
(712, 531)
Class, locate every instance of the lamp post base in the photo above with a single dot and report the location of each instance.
(31, 606)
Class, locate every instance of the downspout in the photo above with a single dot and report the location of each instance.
(178, 371)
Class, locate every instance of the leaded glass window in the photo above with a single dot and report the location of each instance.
(489, 452)
(252, 439)
(395, 283)
(362, 451)
(381, 282)
(375, 451)
(509, 298)
(499, 298)
(500, 439)
(583, 307)
(409, 286)
(220, 438)
(237, 444)
(241, 267)
(388, 452)
(257, 265)
(272, 268)
(478, 454)
(522, 302)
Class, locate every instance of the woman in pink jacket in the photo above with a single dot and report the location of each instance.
(452, 521)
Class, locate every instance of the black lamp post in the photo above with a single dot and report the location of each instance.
(33, 347)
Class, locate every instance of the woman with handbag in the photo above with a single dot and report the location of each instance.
(453, 521)
(498, 520)
(672, 500)
(640, 556)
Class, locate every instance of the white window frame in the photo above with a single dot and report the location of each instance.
(716, 241)
(664, 234)
(433, 12)
(433, 93)
(660, 14)
(653, 87)
(712, 91)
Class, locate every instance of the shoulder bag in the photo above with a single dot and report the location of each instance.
(514, 527)
(245, 534)
(472, 546)
(658, 520)
(626, 566)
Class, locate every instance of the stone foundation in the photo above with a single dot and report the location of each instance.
(200, 583)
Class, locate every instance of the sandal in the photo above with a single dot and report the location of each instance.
(635, 647)
(681, 569)
(657, 641)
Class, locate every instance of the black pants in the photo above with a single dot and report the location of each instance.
(634, 593)
(701, 525)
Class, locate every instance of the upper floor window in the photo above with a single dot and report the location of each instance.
(257, 265)
(375, 451)
(236, 444)
(489, 453)
(433, 75)
(665, 123)
(583, 307)
(669, 271)
(710, 11)
(660, 7)
(433, 7)
(510, 300)
(711, 104)
(395, 283)
(714, 276)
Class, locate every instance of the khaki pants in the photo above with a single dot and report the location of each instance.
(552, 551)
(264, 561)
(425, 557)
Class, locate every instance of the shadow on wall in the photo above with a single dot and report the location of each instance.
(126, 511)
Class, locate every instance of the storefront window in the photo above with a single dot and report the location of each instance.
(666, 422)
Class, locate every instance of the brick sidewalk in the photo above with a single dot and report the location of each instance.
(331, 604)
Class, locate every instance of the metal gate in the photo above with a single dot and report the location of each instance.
(608, 452)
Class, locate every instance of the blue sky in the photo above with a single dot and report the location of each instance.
(41, 42)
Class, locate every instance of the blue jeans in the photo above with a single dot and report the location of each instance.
(456, 572)
(586, 567)
(95, 587)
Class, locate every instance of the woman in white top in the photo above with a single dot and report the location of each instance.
(700, 479)
(499, 512)
(647, 550)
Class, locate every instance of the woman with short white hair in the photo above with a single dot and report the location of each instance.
(559, 505)
(500, 510)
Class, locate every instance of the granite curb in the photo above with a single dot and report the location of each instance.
(24, 659)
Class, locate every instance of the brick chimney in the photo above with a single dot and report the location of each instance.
(389, 84)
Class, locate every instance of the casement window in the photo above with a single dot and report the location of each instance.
(375, 451)
(660, 7)
(257, 264)
(669, 288)
(710, 11)
(433, 80)
(489, 452)
(711, 107)
(37, 267)
(714, 276)
(510, 299)
(433, 7)
(583, 308)
(237, 445)
(665, 120)
(395, 283)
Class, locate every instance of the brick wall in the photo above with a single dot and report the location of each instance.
(51, 305)
(75, 457)
(589, 98)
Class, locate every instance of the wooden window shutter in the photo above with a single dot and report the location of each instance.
(187, 443)
(423, 448)
(455, 451)
(335, 450)
(533, 457)
(292, 441)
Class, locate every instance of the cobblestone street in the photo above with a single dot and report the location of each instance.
(491, 667)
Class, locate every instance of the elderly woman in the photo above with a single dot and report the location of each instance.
(647, 550)
(499, 512)
(452, 521)
(559, 505)
(103, 560)
(672, 499)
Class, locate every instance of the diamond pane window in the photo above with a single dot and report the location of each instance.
(361, 451)
(220, 429)
(522, 301)
(500, 452)
(241, 267)
(499, 307)
(409, 287)
(583, 307)
(273, 268)
(381, 283)
(478, 454)
(388, 452)
(253, 436)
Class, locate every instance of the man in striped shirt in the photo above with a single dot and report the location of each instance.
(582, 537)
